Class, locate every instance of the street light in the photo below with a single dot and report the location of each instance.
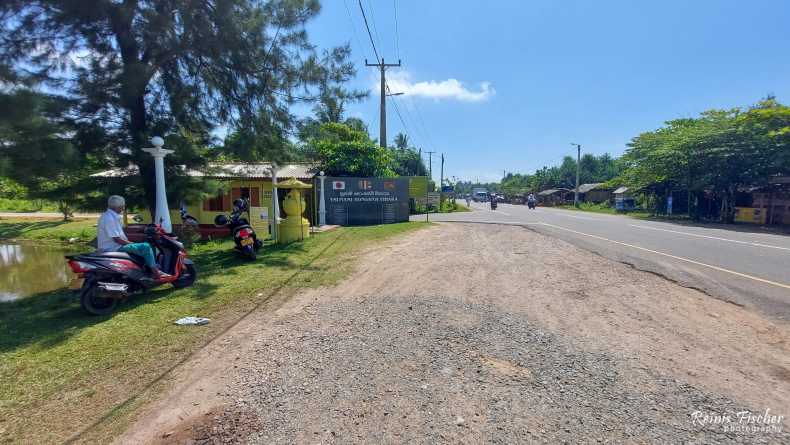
(394, 94)
(578, 163)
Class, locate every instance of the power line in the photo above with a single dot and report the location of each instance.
(405, 127)
(413, 131)
(383, 106)
(397, 44)
(385, 86)
(353, 27)
(424, 126)
(373, 22)
(365, 18)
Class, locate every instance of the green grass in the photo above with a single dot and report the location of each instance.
(26, 205)
(461, 208)
(53, 230)
(59, 364)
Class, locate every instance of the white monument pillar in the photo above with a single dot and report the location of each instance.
(275, 219)
(162, 214)
(322, 202)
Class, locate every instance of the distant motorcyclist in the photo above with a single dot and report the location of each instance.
(531, 201)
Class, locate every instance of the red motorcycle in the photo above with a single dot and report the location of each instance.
(110, 277)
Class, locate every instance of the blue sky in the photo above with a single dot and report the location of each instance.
(508, 85)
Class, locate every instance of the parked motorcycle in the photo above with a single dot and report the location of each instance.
(243, 234)
(110, 277)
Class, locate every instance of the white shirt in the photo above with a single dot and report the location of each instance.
(110, 226)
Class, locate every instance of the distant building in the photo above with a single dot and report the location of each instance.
(770, 204)
(251, 181)
(554, 197)
(595, 193)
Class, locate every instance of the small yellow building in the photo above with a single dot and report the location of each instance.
(251, 181)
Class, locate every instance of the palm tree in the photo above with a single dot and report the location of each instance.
(401, 141)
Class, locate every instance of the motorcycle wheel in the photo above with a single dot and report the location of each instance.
(187, 278)
(250, 252)
(92, 301)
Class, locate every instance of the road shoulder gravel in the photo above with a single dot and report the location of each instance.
(485, 333)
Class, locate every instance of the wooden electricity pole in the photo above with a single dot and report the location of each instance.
(430, 165)
(578, 168)
(441, 175)
(383, 112)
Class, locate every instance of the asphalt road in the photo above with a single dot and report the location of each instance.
(744, 266)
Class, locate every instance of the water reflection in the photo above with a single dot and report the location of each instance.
(26, 269)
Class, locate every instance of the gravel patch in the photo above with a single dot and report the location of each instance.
(416, 370)
(484, 334)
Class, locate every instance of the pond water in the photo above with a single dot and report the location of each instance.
(29, 268)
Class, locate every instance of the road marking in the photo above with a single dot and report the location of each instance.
(712, 237)
(720, 269)
(499, 211)
(578, 217)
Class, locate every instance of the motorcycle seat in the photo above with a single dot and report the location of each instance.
(120, 255)
(243, 226)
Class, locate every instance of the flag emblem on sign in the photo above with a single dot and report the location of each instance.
(338, 185)
(365, 184)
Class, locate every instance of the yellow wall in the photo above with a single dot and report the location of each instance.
(750, 215)
(207, 217)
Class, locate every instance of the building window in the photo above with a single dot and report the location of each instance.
(215, 204)
(252, 194)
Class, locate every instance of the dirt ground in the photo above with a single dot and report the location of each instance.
(483, 333)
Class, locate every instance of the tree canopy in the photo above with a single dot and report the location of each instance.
(177, 68)
(721, 152)
(344, 151)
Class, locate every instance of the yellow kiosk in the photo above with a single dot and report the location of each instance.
(294, 227)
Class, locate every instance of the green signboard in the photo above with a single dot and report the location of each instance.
(418, 186)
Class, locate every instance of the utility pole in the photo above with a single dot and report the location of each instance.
(578, 166)
(430, 176)
(441, 183)
(383, 112)
(430, 165)
(441, 180)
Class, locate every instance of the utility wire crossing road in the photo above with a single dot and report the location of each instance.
(738, 264)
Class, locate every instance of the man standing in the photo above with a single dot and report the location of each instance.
(111, 237)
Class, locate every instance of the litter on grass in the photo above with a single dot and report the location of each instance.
(192, 321)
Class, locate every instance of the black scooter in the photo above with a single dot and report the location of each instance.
(244, 235)
(531, 204)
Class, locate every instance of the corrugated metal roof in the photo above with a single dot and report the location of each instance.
(620, 190)
(584, 188)
(261, 170)
(551, 191)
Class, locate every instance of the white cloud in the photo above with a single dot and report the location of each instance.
(400, 82)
